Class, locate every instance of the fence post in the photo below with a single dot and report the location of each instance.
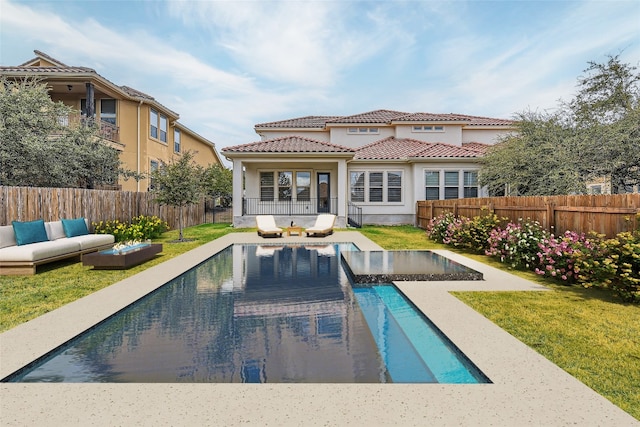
(551, 215)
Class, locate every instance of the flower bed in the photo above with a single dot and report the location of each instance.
(588, 260)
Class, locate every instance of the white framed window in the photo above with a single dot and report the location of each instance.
(427, 128)
(470, 184)
(451, 185)
(376, 186)
(432, 185)
(303, 186)
(356, 184)
(153, 166)
(177, 140)
(363, 130)
(153, 123)
(158, 124)
(266, 186)
(282, 185)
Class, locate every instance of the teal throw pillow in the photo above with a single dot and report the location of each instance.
(74, 227)
(29, 232)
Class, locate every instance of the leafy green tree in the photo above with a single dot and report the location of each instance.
(218, 183)
(596, 134)
(39, 148)
(178, 184)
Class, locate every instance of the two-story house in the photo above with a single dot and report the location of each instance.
(145, 132)
(379, 163)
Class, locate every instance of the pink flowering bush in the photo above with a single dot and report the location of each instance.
(517, 244)
(437, 227)
(471, 233)
(559, 257)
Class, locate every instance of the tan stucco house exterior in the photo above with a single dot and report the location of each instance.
(377, 164)
(145, 132)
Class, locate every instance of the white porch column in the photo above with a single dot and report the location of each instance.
(343, 184)
(237, 188)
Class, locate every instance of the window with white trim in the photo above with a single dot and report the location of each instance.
(158, 124)
(153, 166)
(363, 130)
(470, 184)
(303, 186)
(376, 186)
(451, 185)
(432, 185)
(266, 186)
(176, 140)
(356, 184)
(285, 185)
(282, 185)
(427, 128)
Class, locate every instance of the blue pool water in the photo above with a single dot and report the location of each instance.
(262, 314)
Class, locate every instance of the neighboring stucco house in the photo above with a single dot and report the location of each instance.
(145, 132)
(378, 163)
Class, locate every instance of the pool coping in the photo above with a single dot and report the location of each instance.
(526, 388)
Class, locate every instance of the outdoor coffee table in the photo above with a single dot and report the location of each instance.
(294, 229)
(112, 259)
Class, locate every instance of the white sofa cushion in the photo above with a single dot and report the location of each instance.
(7, 237)
(90, 241)
(54, 229)
(38, 251)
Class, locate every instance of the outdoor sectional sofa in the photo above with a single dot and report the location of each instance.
(25, 245)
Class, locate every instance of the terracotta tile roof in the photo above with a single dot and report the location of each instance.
(486, 121)
(399, 149)
(431, 117)
(476, 146)
(383, 117)
(300, 122)
(288, 144)
(376, 116)
(46, 70)
(136, 93)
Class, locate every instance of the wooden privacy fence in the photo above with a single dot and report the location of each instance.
(604, 214)
(52, 204)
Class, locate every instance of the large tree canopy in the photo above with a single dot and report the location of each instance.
(39, 148)
(596, 134)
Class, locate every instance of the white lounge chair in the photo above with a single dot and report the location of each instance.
(323, 226)
(267, 226)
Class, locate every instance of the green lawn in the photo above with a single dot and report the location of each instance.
(587, 332)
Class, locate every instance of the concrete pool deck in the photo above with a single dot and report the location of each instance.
(527, 389)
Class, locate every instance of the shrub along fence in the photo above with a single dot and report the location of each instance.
(604, 214)
(52, 204)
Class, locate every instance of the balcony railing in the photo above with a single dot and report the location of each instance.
(106, 130)
(255, 206)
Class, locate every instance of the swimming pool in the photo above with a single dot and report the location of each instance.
(258, 314)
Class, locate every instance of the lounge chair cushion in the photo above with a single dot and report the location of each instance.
(7, 236)
(324, 224)
(267, 225)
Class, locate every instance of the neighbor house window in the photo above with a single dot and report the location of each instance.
(432, 185)
(153, 166)
(176, 140)
(158, 125)
(163, 128)
(153, 122)
(376, 186)
(108, 110)
(470, 184)
(266, 186)
(451, 184)
(356, 184)
(303, 186)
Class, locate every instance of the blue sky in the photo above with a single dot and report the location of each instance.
(226, 65)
